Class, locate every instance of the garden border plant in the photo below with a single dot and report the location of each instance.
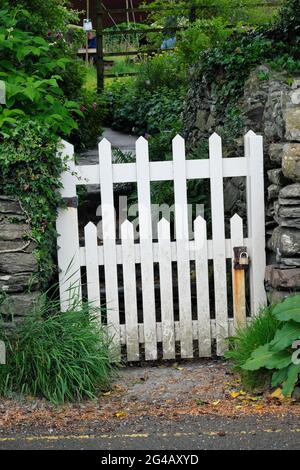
(60, 357)
(264, 354)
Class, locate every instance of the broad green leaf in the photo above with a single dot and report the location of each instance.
(264, 357)
(289, 309)
(279, 376)
(31, 93)
(285, 336)
(292, 379)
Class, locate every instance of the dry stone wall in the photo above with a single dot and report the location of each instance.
(270, 106)
(19, 285)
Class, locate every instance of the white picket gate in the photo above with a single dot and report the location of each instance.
(146, 252)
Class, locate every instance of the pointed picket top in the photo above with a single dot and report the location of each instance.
(67, 148)
(141, 144)
(90, 228)
(215, 138)
(127, 230)
(236, 224)
(178, 140)
(236, 219)
(104, 141)
(104, 146)
(199, 222)
(163, 228)
(178, 146)
(250, 133)
(142, 149)
(142, 141)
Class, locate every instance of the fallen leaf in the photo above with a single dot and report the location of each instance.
(277, 394)
(120, 414)
(258, 406)
(253, 398)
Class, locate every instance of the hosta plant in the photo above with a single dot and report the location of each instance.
(280, 355)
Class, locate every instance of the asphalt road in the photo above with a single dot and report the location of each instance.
(190, 433)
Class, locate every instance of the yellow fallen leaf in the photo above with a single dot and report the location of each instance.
(215, 403)
(242, 392)
(120, 414)
(105, 394)
(234, 394)
(278, 394)
(252, 398)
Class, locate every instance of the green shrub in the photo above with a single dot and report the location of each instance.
(30, 68)
(156, 112)
(163, 70)
(261, 330)
(94, 109)
(277, 354)
(53, 15)
(201, 35)
(59, 356)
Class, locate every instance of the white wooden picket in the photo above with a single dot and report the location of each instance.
(137, 329)
(166, 289)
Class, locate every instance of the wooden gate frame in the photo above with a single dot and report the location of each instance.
(71, 257)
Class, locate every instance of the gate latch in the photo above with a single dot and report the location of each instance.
(241, 257)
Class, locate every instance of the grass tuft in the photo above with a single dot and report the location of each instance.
(59, 356)
(260, 331)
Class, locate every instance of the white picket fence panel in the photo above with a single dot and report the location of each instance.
(127, 253)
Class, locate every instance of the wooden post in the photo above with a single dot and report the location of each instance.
(86, 34)
(100, 54)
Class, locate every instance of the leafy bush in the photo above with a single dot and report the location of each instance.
(94, 109)
(162, 70)
(44, 17)
(29, 67)
(246, 12)
(59, 356)
(201, 35)
(277, 354)
(146, 110)
(261, 330)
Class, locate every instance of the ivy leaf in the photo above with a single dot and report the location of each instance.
(289, 309)
(264, 357)
(292, 379)
(285, 336)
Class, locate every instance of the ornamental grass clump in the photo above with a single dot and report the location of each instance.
(59, 356)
